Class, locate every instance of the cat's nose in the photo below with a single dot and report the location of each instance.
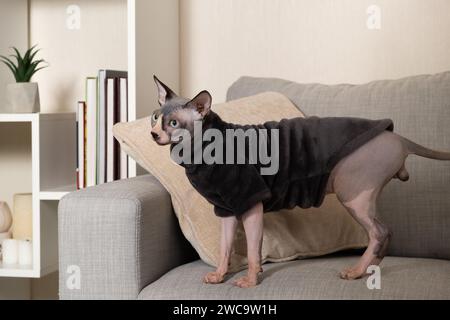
(155, 135)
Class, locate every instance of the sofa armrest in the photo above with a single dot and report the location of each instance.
(116, 238)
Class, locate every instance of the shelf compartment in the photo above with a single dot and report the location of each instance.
(52, 175)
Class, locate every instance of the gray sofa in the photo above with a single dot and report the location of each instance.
(125, 241)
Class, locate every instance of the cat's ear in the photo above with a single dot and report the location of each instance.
(164, 92)
(201, 103)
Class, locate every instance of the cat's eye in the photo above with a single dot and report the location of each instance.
(173, 123)
(154, 117)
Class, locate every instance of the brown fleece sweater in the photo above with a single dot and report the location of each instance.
(309, 148)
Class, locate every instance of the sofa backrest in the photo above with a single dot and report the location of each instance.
(418, 211)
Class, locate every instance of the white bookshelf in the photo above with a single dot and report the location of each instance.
(56, 193)
(53, 163)
(152, 48)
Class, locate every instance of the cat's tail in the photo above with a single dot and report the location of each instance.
(417, 149)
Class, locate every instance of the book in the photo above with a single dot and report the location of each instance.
(81, 145)
(102, 138)
(99, 158)
(111, 107)
(101, 124)
(77, 169)
(91, 131)
(123, 85)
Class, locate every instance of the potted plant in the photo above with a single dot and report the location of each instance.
(23, 96)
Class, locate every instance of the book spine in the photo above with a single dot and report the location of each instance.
(91, 139)
(116, 119)
(77, 154)
(123, 118)
(81, 145)
(84, 184)
(101, 127)
(110, 122)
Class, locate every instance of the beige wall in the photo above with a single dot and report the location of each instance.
(157, 50)
(104, 32)
(13, 32)
(73, 55)
(309, 41)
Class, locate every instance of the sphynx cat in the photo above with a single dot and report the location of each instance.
(357, 180)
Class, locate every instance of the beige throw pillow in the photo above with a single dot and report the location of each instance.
(288, 234)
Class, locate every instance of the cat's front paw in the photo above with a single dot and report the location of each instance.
(213, 277)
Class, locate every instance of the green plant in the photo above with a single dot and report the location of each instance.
(26, 66)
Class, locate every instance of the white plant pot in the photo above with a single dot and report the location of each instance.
(23, 97)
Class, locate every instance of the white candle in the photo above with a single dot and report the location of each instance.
(3, 236)
(25, 253)
(10, 250)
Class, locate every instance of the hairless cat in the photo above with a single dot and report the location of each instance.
(350, 157)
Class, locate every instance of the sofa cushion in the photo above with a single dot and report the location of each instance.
(288, 234)
(317, 278)
(417, 212)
